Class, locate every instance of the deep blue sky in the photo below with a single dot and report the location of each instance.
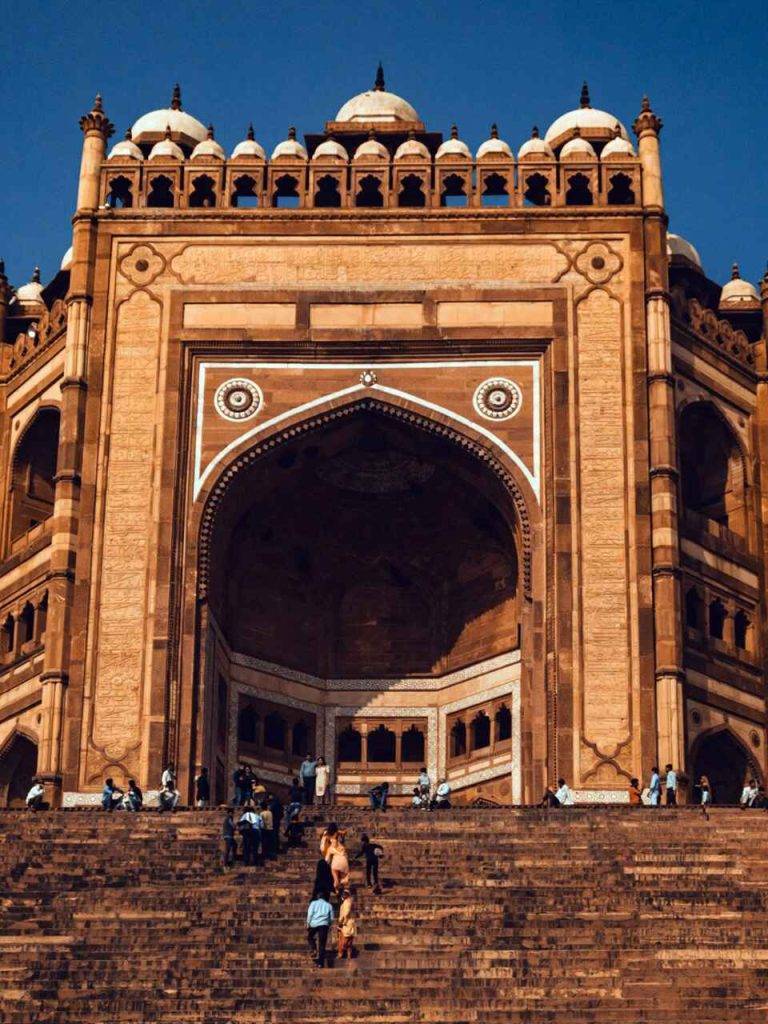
(704, 65)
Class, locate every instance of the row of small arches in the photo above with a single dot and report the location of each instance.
(24, 627)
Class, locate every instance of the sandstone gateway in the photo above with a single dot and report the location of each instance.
(385, 451)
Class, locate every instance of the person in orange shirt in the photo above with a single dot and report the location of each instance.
(635, 798)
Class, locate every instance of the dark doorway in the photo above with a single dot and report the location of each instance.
(18, 765)
(725, 763)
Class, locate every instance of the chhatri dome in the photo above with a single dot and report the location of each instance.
(185, 129)
(377, 105)
(681, 248)
(595, 125)
(738, 292)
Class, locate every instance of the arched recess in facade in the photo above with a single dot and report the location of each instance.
(18, 764)
(516, 509)
(724, 757)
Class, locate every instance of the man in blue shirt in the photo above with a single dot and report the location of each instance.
(308, 772)
(671, 786)
(319, 920)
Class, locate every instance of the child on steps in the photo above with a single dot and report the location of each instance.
(347, 926)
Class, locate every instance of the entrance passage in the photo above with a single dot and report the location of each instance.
(367, 548)
(18, 765)
(725, 763)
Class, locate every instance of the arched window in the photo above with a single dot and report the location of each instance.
(578, 192)
(495, 191)
(503, 723)
(458, 739)
(247, 724)
(412, 745)
(741, 630)
(369, 194)
(454, 192)
(717, 617)
(7, 635)
(160, 192)
(711, 468)
(300, 738)
(536, 191)
(120, 194)
(245, 192)
(42, 615)
(694, 607)
(327, 194)
(202, 194)
(274, 731)
(412, 191)
(620, 193)
(26, 624)
(286, 191)
(481, 731)
(350, 745)
(381, 745)
(34, 470)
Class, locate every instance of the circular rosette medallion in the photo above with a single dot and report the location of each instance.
(498, 399)
(238, 399)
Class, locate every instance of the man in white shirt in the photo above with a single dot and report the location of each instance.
(442, 798)
(169, 775)
(35, 796)
(654, 788)
(749, 794)
(563, 794)
(250, 825)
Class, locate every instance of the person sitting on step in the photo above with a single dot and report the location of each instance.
(442, 798)
(749, 794)
(168, 797)
(36, 796)
(378, 796)
(425, 783)
(418, 800)
(563, 794)
(110, 795)
(134, 798)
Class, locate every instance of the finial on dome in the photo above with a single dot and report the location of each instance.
(292, 132)
(617, 131)
(97, 120)
(210, 130)
(378, 85)
(454, 131)
(128, 135)
(249, 134)
(411, 133)
(646, 120)
(97, 104)
(584, 99)
(36, 275)
(167, 131)
(176, 97)
(2, 268)
(371, 133)
(535, 132)
(735, 274)
(494, 131)
(645, 106)
(577, 132)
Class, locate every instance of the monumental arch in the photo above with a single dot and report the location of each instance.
(383, 450)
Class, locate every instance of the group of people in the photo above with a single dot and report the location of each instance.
(258, 828)
(428, 798)
(332, 880)
(113, 798)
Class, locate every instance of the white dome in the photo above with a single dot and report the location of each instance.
(453, 147)
(249, 148)
(290, 148)
(535, 148)
(66, 259)
(495, 147)
(184, 127)
(578, 149)
(371, 150)
(592, 123)
(166, 149)
(412, 148)
(31, 293)
(617, 147)
(209, 148)
(125, 149)
(377, 105)
(678, 246)
(330, 148)
(738, 292)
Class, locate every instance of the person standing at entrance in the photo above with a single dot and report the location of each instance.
(671, 786)
(202, 789)
(706, 796)
(322, 783)
(319, 920)
(654, 787)
(308, 775)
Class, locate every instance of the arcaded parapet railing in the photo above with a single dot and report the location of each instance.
(37, 337)
(205, 184)
(717, 333)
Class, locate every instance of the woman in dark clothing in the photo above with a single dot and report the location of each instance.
(371, 852)
(323, 878)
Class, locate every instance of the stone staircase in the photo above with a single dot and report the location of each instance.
(488, 916)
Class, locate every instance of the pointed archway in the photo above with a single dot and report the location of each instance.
(726, 763)
(18, 764)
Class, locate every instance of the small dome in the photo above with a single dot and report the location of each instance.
(578, 149)
(592, 123)
(678, 246)
(66, 259)
(617, 147)
(184, 127)
(208, 148)
(453, 147)
(738, 292)
(126, 149)
(166, 149)
(330, 149)
(377, 105)
(31, 293)
(495, 147)
(535, 148)
(412, 149)
(371, 149)
(290, 148)
(249, 148)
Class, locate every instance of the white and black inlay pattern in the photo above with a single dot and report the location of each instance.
(238, 399)
(498, 398)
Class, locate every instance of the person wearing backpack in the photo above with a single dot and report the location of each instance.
(373, 854)
(249, 827)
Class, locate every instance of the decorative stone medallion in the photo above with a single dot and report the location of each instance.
(498, 399)
(368, 378)
(238, 399)
(142, 264)
(598, 263)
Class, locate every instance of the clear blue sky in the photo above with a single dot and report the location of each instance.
(704, 65)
